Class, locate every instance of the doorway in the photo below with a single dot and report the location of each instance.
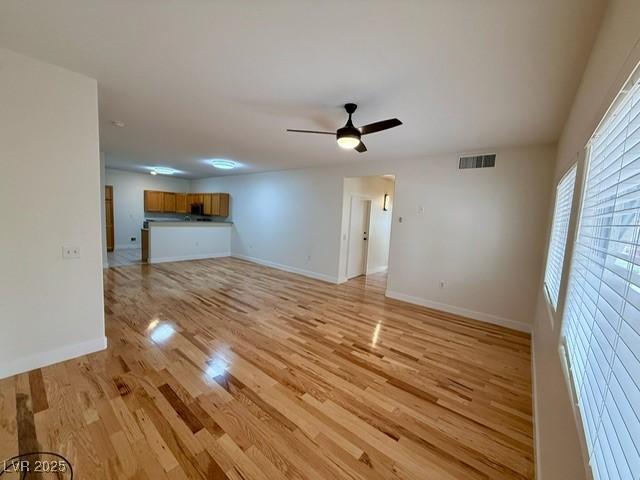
(359, 224)
(366, 228)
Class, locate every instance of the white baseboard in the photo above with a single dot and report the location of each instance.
(287, 268)
(42, 359)
(371, 271)
(128, 246)
(183, 258)
(483, 317)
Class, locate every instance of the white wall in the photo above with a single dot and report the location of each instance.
(197, 240)
(615, 54)
(482, 232)
(373, 188)
(128, 201)
(51, 308)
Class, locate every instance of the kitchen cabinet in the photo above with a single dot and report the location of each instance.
(223, 207)
(153, 201)
(169, 202)
(194, 198)
(207, 204)
(214, 204)
(181, 203)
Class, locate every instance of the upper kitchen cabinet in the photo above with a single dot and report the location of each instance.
(169, 202)
(181, 203)
(213, 204)
(153, 201)
(223, 204)
(216, 204)
(207, 204)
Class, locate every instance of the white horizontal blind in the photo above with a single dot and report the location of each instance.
(559, 230)
(602, 314)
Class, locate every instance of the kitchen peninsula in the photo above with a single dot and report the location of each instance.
(172, 241)
(200, 234)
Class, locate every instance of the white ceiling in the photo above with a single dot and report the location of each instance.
(197, 79)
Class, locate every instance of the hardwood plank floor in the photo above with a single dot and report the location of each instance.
(222, 369)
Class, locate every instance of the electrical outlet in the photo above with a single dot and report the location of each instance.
(399, 219)
(420, 210)
(70, 252)
(442, 284)
(308, 258)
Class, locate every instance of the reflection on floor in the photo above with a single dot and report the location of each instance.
(124, 257)
(223, 369)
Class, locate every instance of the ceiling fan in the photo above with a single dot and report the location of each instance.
(349, 135)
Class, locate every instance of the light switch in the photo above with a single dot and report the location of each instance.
(70, 252)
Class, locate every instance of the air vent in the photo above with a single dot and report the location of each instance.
(478, 161)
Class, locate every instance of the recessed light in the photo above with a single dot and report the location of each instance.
(117, 123)
(223, 164)
(163, 171)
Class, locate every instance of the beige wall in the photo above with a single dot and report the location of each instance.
(51, 308)
(615, 53)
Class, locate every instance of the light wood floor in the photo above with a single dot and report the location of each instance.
(224, 369)
(124, 256)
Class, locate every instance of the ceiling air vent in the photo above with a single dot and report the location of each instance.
(478, 161)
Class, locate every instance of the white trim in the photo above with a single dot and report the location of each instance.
(182, 258)
(287, 268)
(43, 359)
(483, 317)
(127, 246)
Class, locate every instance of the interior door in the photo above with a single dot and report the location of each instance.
(358, 235)
(108, 211)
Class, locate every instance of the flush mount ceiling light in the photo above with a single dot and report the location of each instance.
(163, 171)
(223, 164)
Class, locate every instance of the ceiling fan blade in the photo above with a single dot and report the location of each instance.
(310, 131)
(379, 126)
(360, 148)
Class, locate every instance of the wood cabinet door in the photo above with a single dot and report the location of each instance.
(153, 201)
(223, 210)
(169, 202)
(206, 210)
(181, 203)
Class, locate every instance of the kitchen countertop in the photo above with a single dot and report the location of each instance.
(185, 223)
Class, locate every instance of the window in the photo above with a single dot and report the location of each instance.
(558, 240)
(602, 315)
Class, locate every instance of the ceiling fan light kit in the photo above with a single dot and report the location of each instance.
(350, 136)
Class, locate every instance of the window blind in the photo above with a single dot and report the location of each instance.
(602, 314)
(558, 240)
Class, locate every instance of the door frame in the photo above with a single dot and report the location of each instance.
(369, 200)
(106, 219)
